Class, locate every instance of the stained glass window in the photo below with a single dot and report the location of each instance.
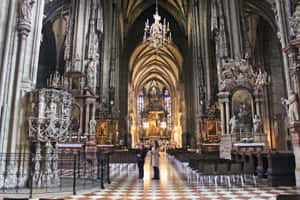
(167, 107)
(140, 108)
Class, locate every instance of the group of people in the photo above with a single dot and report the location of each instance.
(141, 153)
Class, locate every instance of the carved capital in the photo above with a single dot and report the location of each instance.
(25, 16)
(24, 29)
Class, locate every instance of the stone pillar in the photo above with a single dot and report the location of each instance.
(261, 136)
(226, 140)
(80, 131)
(93, 111)
(4, 73)
(280, 17)
(24, 28)
(87, 119)
(258, 104)
(233, 21)
(227, 116)
(293, 52)
(110, 11)
(222, 112)
(225, 111)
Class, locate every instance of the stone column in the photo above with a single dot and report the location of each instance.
(280, 16)
(226, 141)
(227, 116)
(233, 21)
(80, 131)
(87, 119)
(293, 51)
(258, 98)
(108, 45)
(261, 136)
(93, 111)
(4, 73)
(222, 112)
(24, 28)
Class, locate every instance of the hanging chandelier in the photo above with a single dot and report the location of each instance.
(157, 34)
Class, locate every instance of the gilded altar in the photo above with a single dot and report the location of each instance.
(154, 117)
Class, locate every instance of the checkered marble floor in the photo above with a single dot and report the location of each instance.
(126, 185)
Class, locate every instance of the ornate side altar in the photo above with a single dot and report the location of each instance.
(241, 101)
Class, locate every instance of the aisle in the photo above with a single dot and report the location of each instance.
(126, 185)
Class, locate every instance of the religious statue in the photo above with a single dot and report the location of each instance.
(37, 180)
(245, 67)
(292, 103)
(66, 84)
(228, 68)
(262, 78)
(91, 74)
(256, 124)
(240, 78)
(233, 123)
(93, 126)
(52, 108)
(153, 92)
(48, 157)
(25, 10)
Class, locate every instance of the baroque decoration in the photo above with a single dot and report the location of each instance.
(240, 73)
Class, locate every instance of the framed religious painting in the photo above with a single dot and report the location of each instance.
(243, 109)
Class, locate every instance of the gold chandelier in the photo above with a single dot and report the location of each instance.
(157, 34)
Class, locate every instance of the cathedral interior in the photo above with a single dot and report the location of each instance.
(201, 77)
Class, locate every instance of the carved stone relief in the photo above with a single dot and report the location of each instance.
(25, 11)
(48, 124)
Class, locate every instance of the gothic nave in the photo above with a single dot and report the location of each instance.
(84, 83)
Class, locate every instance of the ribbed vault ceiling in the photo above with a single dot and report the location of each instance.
(131, 9)
(147, 64)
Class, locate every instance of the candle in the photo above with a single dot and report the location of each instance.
(240, 133)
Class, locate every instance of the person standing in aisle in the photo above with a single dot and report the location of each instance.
(155, 160)
(140, 160)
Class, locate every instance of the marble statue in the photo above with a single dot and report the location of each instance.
(292, 103)
(233, 123)
(93, 124)
(256, 124)
(91, 74)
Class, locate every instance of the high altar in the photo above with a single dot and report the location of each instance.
(154, 116)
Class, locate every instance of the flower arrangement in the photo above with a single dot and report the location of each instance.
(212, 139)
(108, 142)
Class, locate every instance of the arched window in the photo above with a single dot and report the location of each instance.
(167, 108)
(140, 108)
